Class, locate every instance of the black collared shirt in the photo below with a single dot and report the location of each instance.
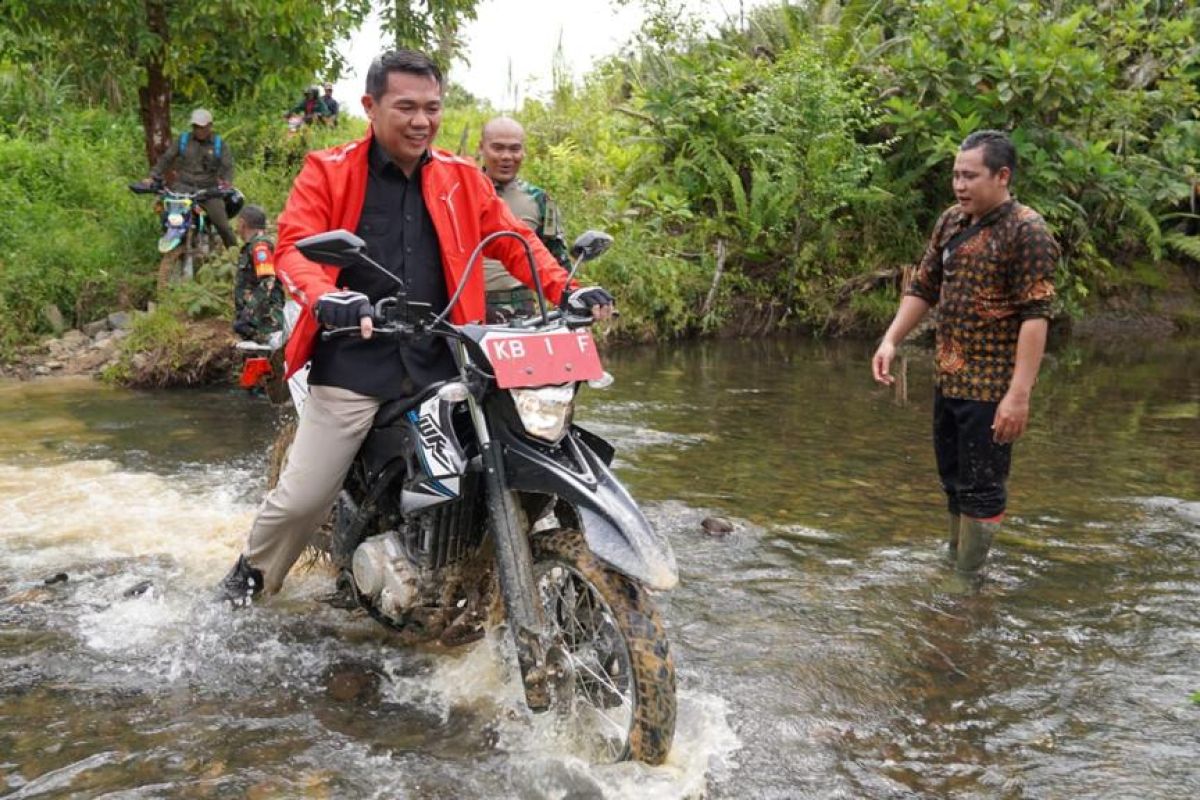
(399, 234)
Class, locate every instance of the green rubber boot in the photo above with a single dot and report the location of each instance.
(952, 540)
(974, 540)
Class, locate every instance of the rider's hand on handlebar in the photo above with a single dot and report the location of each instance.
(345, 309)
(589, 300)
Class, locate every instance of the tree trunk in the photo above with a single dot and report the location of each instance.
(154, 99)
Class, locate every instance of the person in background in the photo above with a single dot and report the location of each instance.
(257, 295)
(331, 104)
(201, 160)
(421, 211)
(311, 108)
(989, 268)
(501, 152)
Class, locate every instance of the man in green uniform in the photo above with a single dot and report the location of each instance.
(257, 295)
(502, 150)
(201, 160)
(312, 107)
(333, 105)
(989, 270)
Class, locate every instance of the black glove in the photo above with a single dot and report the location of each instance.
(342, 309)
(583, 299)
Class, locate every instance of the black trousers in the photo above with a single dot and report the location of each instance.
(972, 467)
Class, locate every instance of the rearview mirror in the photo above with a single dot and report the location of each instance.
(341, 248)
(591, 244)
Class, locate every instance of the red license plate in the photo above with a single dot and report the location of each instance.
(542, 359)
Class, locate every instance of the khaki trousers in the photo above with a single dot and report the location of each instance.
(333, 425)
(215, 206)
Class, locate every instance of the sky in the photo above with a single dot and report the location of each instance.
(520, 37)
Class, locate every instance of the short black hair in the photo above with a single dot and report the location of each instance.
(254, 216)
(409, 61)
(998, 150)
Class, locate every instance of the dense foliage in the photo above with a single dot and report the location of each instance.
(781, 170)
(812, 146)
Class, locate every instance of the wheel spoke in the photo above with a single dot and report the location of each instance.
(600, 675)
(602, 678)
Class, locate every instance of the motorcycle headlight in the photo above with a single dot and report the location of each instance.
(545, 412)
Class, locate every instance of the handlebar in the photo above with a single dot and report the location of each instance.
(160, 190)
(401, 330)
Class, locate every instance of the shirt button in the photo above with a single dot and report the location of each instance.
(408, 249)
(408, 217)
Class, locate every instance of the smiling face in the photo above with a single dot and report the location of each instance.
(406, 117)
(978, 189)
(502, 148)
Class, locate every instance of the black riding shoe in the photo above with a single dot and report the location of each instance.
(242, 585)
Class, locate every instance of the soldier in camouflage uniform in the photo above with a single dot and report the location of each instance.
(502, 149)
(257, 296)
(201, 160)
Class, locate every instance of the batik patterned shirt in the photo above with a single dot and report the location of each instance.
(984, 286)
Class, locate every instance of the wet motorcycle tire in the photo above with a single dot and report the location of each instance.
(652, 668)
(169, 270)
(277, 455)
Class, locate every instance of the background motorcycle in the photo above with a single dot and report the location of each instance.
(187, 238)
(480, 504)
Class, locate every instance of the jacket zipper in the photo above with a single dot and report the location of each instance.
(453, 216)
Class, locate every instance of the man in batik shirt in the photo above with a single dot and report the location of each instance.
(989, 269)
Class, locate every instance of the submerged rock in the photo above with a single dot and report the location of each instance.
(348, 682)
(716, 526)
(138, 589)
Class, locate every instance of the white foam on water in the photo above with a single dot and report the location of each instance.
(111, 528)
(481, 677)
(85, 511)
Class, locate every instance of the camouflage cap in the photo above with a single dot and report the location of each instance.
(254, 216)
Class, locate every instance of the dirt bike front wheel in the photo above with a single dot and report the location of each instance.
(616, 681)
(169, 270)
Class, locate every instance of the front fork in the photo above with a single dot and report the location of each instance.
(514, 564)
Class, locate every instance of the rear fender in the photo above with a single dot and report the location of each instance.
(615, 529)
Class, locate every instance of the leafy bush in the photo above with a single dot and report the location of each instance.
(1099, 103)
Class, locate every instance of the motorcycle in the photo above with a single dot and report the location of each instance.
(262, 367)
(187, 237)
(481, 504)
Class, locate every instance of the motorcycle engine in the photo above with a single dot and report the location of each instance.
(383, 573)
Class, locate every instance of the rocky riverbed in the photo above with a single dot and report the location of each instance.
(80, 351)
(203, 353)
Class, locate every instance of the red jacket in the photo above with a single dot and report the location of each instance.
(328, 194)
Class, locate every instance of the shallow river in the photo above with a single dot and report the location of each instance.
(818, 655)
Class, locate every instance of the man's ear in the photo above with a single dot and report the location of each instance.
(1005, 176)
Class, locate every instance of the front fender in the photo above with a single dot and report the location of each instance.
(170, 240)
(614, 527)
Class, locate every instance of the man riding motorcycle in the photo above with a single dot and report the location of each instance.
(312, 108)
(421, 211)
(201, 160)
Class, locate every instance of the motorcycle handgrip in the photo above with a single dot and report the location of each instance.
(583, 320)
